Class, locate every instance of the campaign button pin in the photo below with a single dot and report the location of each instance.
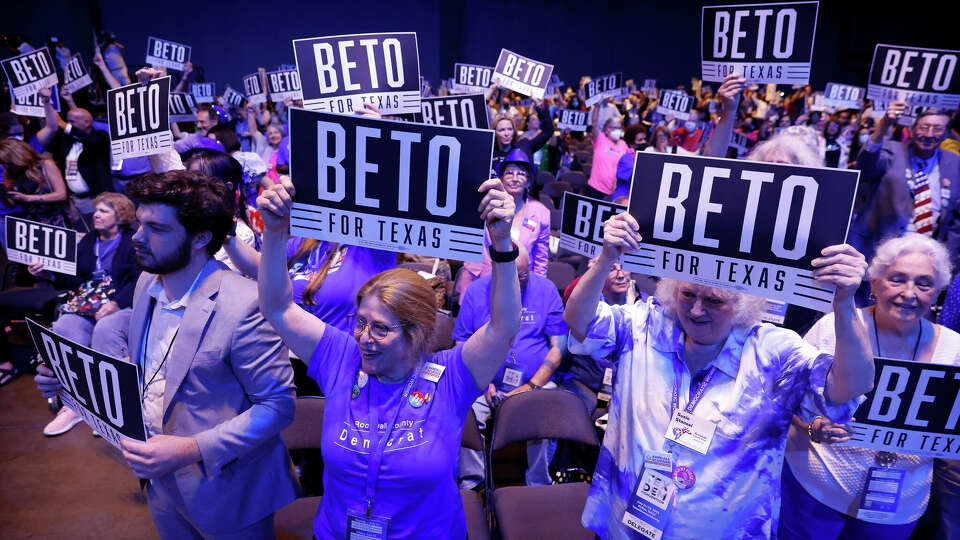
(362, 378)
(354, 392)
(417, 399)
(683, 477)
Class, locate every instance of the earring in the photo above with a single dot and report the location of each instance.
(873, 298)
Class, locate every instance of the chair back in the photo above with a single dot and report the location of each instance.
(542, 414)
(307, 428)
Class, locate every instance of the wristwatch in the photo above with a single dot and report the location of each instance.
(503, 256)
(534, 385)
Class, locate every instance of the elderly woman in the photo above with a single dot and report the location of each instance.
(382, 374)
(712, 446)
(531, 225)
(823, 482)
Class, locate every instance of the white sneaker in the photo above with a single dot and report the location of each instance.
(62, 423)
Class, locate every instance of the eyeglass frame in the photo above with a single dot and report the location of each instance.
(368, 326)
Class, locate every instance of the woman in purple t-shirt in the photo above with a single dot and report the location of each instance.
(394, 413)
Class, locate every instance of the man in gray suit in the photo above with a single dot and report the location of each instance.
(906, 186)
(217, 381)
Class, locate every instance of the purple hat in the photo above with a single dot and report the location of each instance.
(211, 144)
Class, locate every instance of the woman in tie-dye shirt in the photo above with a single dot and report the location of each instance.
(749, 378)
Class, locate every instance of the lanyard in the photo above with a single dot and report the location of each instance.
(110, 246)
(373, 469)
(876, 337)
(143, 391)
(698, 394)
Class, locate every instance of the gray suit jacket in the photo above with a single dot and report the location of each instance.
(230, 386)
(884, 205)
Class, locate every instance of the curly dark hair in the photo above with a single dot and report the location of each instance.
(202, 203)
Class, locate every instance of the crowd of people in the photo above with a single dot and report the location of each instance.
(186, 267)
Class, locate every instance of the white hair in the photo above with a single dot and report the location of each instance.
(801, 145)
(892, 249)
(747, 308)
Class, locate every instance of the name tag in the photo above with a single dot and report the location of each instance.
(366, 528)
(432, 372)
(691, 431)
(606, 387)
(648, 509)
(881, 493)
(512, 377)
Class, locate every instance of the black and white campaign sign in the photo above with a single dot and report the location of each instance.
(30, 72)
(573, 119)
(75, 74)
(253, 88)
(183, 107)
(204, 92)
(921, 77)
(913, 409)
(600, 88)
(31, 241)
(283, 85)
(454, 110)
(649, 85)
(341, 73)
(749, 226)
(32, 105)
(232, 98)
(739, 141)
(103, 390)
(521, 74)
(581, 223)
(675, 103)
(843, 96)
(169, 54)
(390, 185)
(766, 43)
(471, 78)
(139, 119)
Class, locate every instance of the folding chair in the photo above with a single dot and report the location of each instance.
(576, 179)
(295, 520)
(545, 177)
(540, 511)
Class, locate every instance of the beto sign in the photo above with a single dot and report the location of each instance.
(766, 43)
(341, 73)
(521, 74)
(744, 225)
(921, 77)
(29, 72)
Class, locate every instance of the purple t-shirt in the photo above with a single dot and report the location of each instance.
(417, 485)
(540, 318)
(336, 298)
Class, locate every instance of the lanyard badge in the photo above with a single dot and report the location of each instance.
(686, 428)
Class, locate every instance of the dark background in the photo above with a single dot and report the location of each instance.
(644, 39)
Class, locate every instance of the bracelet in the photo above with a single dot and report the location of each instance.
(810, 429)
(534, 385)
(504, 256)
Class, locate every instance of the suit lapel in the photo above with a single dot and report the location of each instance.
(200, 307)
(138, 321)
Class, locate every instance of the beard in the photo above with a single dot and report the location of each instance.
(178, 259)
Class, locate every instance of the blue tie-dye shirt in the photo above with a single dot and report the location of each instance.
(763, 374)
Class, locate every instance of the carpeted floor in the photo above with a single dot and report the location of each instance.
(71, 486)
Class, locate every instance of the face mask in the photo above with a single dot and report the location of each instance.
(615, 134)
(864, 138)
(690, 126)
(926, 139)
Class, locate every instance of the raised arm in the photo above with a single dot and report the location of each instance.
(485, 349)
(619, 234)
(852, 370)
(187, 68)
(547, 128)
(729, 92)
(53, 121)
(299, 330)
(112, 81)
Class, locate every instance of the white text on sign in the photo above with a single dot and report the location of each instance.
(329, 77)
(143, 101)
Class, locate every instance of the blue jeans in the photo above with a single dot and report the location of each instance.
(804, 518)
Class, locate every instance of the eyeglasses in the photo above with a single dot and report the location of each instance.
(928, 128)
(519, 173)
(378, 331)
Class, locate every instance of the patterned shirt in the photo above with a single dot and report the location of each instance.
(763, 374)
